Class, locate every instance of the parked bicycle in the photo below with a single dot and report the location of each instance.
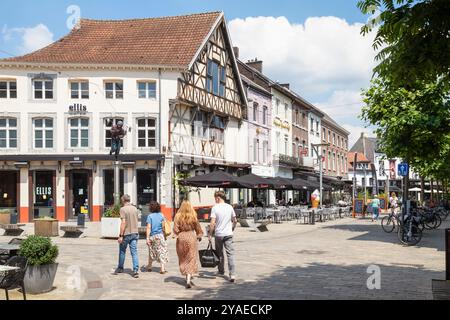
(409, 232)
(390, 223)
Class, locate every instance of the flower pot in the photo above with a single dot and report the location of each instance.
(46, 227)
(111, 227)
(5, 218)
(39, 279)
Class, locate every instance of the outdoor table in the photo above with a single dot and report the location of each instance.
(5, 269)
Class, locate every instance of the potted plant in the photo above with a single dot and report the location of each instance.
(41, 254)
(46, 227)
(111, 223)
(5, 217)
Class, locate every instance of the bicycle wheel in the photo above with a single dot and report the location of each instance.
(388, 224)
(410, 238)
(438, 221)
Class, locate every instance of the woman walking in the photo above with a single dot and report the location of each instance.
(156, 241)
(188, 230)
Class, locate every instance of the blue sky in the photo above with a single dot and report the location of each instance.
(313, 44)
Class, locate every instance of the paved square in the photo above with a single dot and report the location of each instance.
(325, 261)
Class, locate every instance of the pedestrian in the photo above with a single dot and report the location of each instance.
(129, 235)
(189, 231)
(156, 241)
(376, 209)
(393, 201)
(223, 223)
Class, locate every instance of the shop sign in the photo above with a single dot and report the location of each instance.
(148, 190)
(77, 108)
(43, 191)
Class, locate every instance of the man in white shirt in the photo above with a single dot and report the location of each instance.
(223, 222)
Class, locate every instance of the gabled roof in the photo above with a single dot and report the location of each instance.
(367, 146)
(360, 157)
(167, 41)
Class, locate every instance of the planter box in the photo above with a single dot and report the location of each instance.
(5, 218)
(111, 227)
(46, 228)
(39, 279)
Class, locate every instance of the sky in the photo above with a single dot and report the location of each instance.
(315, 45)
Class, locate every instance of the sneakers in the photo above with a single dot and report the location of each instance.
(135, 275)
(117, 271)
(232, 279)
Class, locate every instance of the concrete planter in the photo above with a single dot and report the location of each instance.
(111, 227)
(46, 227)
(39, 279)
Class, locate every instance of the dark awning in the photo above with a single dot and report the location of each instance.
(252, 181)
(215, 179)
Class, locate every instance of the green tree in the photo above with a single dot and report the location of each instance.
(413, 37)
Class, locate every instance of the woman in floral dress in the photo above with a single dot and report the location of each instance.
(156, 241)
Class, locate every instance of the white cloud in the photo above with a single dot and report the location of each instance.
(342, 104)
(355, 133)
(322, 55)
(31, 39)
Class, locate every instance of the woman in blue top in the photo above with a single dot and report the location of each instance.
(155, 238)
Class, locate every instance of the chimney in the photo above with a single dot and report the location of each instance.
(236, 52)
(256, 64)
(285, 85)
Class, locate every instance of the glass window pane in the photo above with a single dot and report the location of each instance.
(13, 143)
(38, 134)
(74, 134)
(38, 123)
(109, 95)
(151, 133)
(152, 143)
(49, 123)
(49, 144)
(2, 143)
(151, 123)
(12, 134)
(2, 122)
(84, 133)
(84, 94)
(2, 134)
(48, 85)
(85, 86)
(119, 94)
(141, 134)
(84, 143)
(141, 86)
(49, 134)
(74, 122)
(73, 143)
(74, 95)
(38, 143)
(109, 86)
(119, 86)
(141, 123)
(142, 94)
(38, 85)
(3, 94)
(13, 85)
(141, 143)
(3, 85)
(84, 122)
(74, 86)
(38, 94)
(48, 94)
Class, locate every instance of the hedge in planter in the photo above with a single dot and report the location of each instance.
(41, 254)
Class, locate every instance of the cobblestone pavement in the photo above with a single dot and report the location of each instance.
(325, 261)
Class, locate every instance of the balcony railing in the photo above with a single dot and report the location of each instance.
(293, 161)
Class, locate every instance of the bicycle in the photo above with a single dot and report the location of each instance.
(409, 232)
(390, 223)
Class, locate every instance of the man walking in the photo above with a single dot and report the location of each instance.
(223, 222)
(129, 235)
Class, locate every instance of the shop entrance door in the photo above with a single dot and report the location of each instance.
(79, 193)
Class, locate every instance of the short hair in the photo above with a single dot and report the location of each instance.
(220, 194)
(155, 207)
(126, 198)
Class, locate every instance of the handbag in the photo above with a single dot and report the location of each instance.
(167, 228)
(209, 257)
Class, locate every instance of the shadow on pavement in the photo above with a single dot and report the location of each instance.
(330, 282)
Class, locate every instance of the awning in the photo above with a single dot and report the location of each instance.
(215, 179)
(255, 182)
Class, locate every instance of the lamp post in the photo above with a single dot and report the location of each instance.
(319, 157)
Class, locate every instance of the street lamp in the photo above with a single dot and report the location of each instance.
(319, 157)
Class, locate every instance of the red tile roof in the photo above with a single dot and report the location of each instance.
(360, 158)
(168, 41)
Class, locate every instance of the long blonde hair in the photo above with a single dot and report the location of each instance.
(186, 215)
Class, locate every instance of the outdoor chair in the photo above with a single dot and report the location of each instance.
(292, 213)
(259, 214)
(250, 212)
(14, 279)
(283, 213)
(304, 213)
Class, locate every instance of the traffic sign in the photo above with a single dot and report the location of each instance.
(403, 169)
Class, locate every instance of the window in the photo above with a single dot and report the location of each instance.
(296, 117)
(334, 139)
(255, 112)
(109, 122)
(286, 145)
(215, 78)
(147, 133)
(329, 136)
(277, 104)
(79, 90)
(256, 150)
(43, 133)
(146, 90)
(324, 134)
(317, 127)
(265, 110)
(200, 125)
(304, 122)
(43, 89)
(265, 151)
(286, 107)
(312, 125)
(114, 89)
(278, 142)
(8, 89)
(79, 132)
(8, 133)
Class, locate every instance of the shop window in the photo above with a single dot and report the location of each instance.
(8, 133)
(108, 182)
(43, 194)
(8, 190)
(146, 187)
(79, 132)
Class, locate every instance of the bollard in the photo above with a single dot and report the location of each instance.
(447, 254)
(312, 217)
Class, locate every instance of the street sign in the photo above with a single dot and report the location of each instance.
(403, 169)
